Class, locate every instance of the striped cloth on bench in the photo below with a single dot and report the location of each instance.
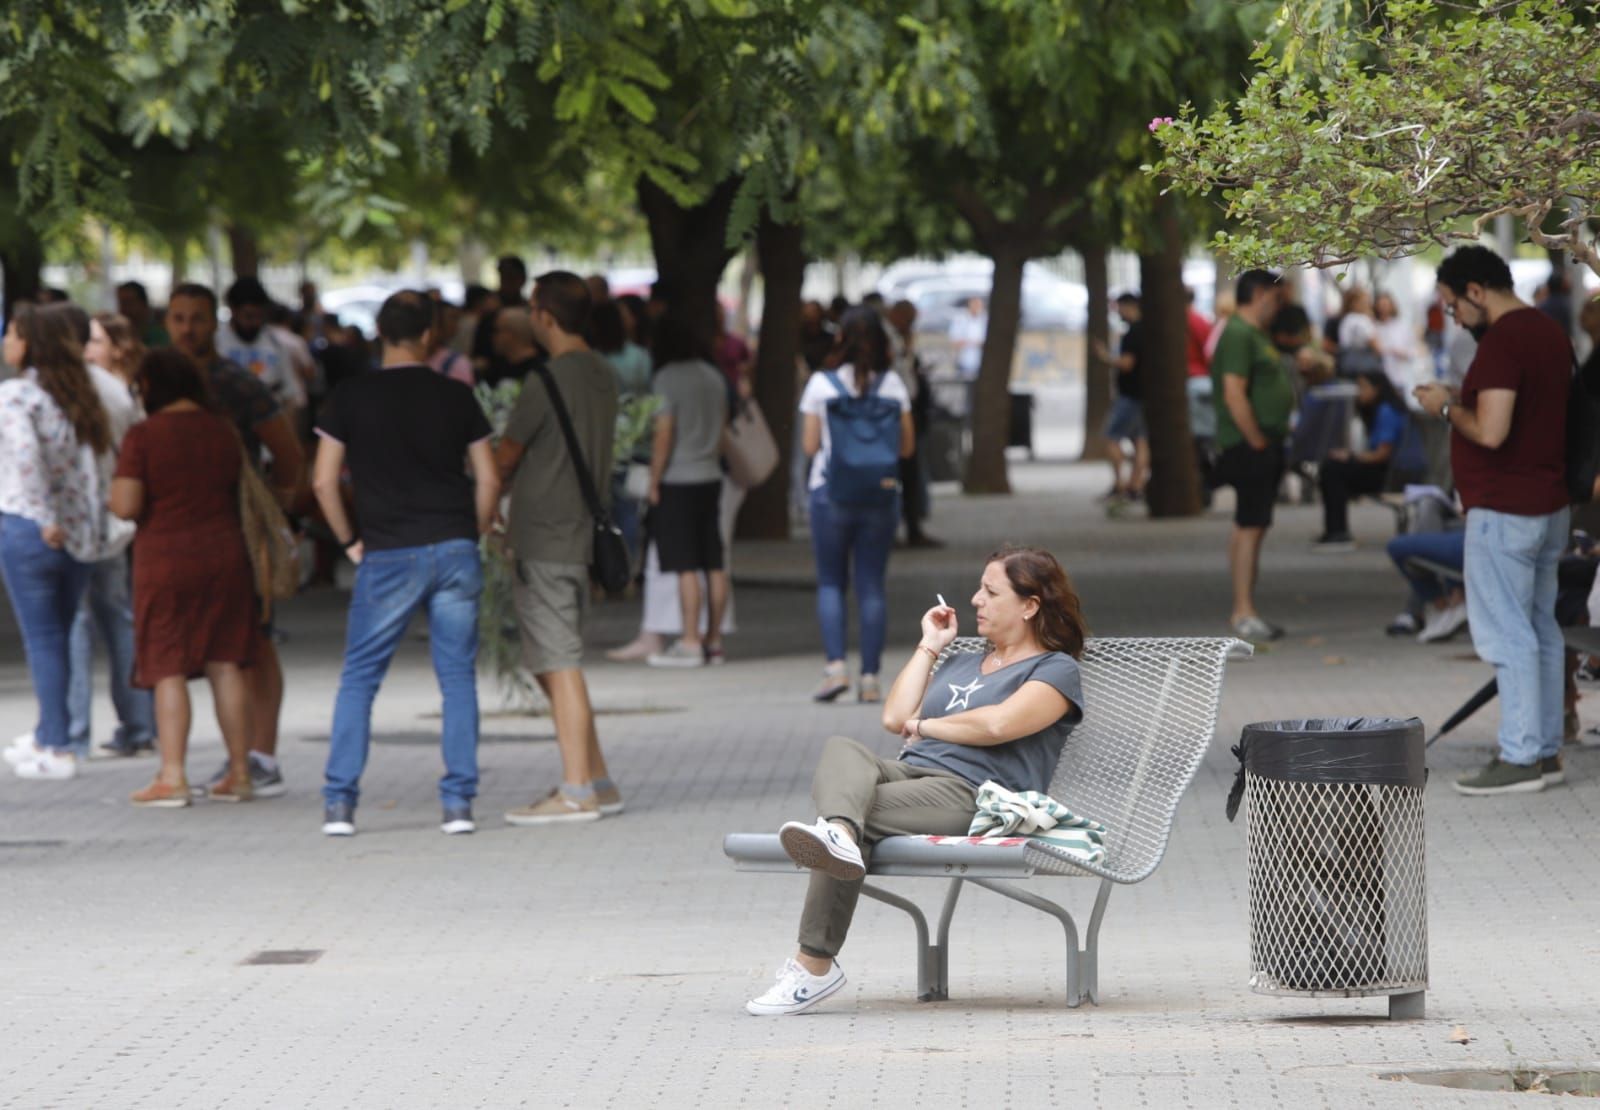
(1008, 819)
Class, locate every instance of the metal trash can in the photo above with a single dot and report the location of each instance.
(1338, 887)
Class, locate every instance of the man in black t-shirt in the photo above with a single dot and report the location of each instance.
(408, 436)
(1126, 421)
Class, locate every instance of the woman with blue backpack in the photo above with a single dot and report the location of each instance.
(856, 428)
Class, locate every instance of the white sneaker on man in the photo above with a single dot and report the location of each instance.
(1443, 623)
(795, 991)
(46, 764)
(822, 847)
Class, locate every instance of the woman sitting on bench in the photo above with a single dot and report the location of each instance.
(1001, 716)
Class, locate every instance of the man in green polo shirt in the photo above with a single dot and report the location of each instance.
(1254, 399)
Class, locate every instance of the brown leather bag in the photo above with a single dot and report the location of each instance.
(270, 543)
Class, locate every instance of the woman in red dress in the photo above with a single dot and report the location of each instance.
(194, 604)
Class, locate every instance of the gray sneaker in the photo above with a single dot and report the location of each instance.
(1254, 630)
(266, 784)
(1552, 770)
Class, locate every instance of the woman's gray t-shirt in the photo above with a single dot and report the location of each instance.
(1026, 763)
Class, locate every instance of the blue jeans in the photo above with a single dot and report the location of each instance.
(446, 579)
(1446, 549)
(108, 606)
(842, 535)
(46, 586)
(1511, 606)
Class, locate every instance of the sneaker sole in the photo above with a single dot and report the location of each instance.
(611, 809)
(1527, 786)
(829, 695)
(338, 828)
(676, 664)
(276, 790)
(807, 850)
(559, 819)
(458, 828)
(163, 803)
(756, 1009)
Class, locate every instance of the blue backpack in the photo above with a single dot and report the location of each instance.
(864, 446)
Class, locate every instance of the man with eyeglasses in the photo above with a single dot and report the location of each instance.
(1508, 454)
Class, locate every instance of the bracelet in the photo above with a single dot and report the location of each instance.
(351, 544)
(934, 655)
(917, 732)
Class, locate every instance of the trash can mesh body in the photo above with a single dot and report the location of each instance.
(1338, 891)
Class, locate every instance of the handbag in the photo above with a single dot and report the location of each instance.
(610, 566)
(268, 540)
(752, 451)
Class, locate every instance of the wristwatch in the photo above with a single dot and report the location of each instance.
(1444, 412)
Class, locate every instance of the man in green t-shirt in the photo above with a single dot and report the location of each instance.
(1254, 399)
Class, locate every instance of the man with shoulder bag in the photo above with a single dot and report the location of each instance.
(556, 457)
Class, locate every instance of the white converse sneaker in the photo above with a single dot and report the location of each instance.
(46, 764)
(20, 749)
(795, 991)
(822, 847)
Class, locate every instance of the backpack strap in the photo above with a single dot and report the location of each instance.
(833, 379)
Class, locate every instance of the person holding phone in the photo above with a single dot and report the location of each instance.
(1001, 715)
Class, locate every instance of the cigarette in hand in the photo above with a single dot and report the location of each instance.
(942, 603)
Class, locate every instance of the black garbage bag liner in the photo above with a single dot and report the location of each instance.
(1382, 751)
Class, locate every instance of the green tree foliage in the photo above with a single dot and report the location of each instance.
(1412, 128)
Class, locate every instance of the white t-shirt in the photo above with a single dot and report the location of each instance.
(269, 358)
(1399, 346)
(121, 409)
(1356, 330)
(971, 329)
(814, 402)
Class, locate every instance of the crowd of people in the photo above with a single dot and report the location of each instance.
(132, 440)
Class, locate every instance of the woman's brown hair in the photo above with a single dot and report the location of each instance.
(128, 346)
(1034, 572)
(166, 376)
(55, 354)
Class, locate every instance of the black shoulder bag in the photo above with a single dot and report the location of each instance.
(609, 566)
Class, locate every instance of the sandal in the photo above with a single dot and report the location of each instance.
(159, 795)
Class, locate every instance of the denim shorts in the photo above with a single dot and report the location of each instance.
(1126, 420)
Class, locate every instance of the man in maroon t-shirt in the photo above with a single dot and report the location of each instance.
(1508, 448)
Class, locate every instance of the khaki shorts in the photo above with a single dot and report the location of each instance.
(551, 601)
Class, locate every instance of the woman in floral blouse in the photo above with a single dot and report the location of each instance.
(55, 467)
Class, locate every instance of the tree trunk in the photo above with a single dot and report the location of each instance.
(991, 409)
(780, 249)
(691, 250)
(1174, 486)
(179, 247)
(22, 263)
(1097, 373)
(245, 250)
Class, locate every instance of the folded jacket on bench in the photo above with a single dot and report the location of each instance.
(1036, 816)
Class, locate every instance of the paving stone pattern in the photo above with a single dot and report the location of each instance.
(607, 965)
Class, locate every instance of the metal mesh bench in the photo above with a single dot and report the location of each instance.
(1151, 712)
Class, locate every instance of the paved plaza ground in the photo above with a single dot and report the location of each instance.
(608, 964)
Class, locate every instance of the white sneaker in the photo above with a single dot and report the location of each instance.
(1443, 623)
(796, 990)
(20, 749)
(822, 847)
(46, 764)
(679, 654)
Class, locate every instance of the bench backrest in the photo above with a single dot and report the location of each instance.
(1150, 710)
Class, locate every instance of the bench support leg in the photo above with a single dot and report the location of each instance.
(1083, 976)
(933, 962)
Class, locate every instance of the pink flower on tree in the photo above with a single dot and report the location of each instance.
(1159, 122)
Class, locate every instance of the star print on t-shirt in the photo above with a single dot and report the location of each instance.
(961, 695)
